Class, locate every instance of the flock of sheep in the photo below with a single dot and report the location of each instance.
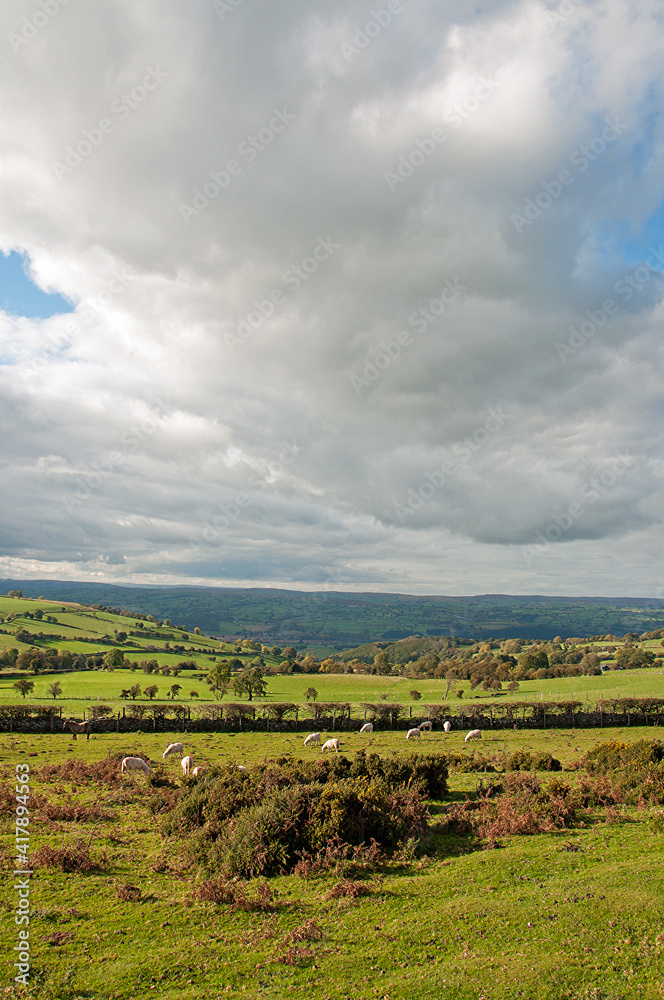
(412, 734)
(187, 763)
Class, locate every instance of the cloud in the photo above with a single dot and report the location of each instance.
(212, 359)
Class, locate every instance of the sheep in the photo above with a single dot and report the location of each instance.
(413, 734)
(312, 738)
(77, 727)
(425, 725)
(447, 726)
(196, 773)
(367, 727)
(331, 745)
(172, 748)
(187, 764)
(474, 734)
(134, 764)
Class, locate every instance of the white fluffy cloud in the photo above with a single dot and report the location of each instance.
(362, 300)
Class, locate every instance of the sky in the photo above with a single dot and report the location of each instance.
(350, 296)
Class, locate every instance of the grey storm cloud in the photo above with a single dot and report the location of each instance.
(355, 299)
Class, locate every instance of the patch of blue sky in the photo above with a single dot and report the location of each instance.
(618, 244)
(20, 296)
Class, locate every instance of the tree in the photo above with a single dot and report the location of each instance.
(513, 686)
(219, 678)
(151, 691)
(55, 689)
(452, 678)
(415, 695)
(311, 694)
(175, 690)
(381, 663)
(14, 593)
(250, 682)
(24, 686)
(134, 691)
(194, 694)
(121, 636)
(124, 693)
(114, 658)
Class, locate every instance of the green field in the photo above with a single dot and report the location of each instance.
(568, 915)
(331, 620)
(81, 688)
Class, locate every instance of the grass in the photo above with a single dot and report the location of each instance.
(572, 915)
(81, 687)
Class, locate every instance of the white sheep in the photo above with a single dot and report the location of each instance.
(447, 726)
(172, 748)
(331, 745)
(413, 734)
(474, 734)
(134, 764)
(367, 727)
(196, 773)
(187, 764)
(312, 738)
(425, 725)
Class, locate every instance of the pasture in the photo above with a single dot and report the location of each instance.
(79, 688)
(572, 914)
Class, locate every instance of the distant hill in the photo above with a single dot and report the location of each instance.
(341, 620)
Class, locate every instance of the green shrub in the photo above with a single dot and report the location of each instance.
(266, 819)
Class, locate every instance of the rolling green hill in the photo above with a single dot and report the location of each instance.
(331, 620)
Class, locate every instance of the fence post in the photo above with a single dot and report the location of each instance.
(117, 724)
(334, 719)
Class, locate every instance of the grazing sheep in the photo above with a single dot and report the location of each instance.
(134, 764)
(187, 764)
(77, 727)
(331, 745)
(425, 725)
(312, 738)
(367, 727)
(196, 773)
(447, 726)
(413, 734)
(172, 748)
(474, 734)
